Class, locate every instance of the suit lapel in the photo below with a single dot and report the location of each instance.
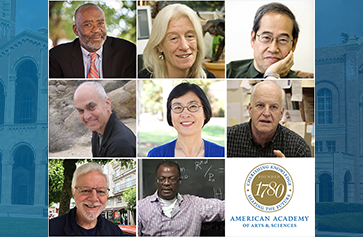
(107, 58)
(77, 62)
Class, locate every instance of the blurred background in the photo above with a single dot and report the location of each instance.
(153, 127)
(120, 19)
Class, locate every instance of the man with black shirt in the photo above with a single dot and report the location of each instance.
(110, 137)
(90, 189)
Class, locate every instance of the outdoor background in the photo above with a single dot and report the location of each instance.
(154, 130)
(120, 19)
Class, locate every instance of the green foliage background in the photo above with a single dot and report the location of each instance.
(61, 19)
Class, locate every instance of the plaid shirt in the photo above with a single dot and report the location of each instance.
(240, 143)
(187, 221)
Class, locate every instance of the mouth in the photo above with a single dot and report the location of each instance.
(183, 56)
(272, 59)
(265, 121)
(91, 122)
(186, 124)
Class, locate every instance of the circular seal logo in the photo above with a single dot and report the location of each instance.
(269, 187)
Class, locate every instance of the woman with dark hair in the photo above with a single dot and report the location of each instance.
(184, 113)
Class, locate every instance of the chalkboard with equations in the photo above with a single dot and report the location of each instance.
(200, 177)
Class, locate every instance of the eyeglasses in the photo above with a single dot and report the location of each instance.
(267, 39)
(161, 180)
(84, 190)
(177, 108)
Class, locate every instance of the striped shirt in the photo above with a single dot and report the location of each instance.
(187, 221)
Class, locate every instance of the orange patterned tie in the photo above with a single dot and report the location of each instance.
(93, 73)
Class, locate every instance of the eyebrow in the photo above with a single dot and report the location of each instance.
(176, 33)
(283, 34)
(87, 106)
(193, 101)
(90, 21)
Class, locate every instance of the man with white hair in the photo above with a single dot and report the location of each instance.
(110, 137)
(89, 189)
(263, 136)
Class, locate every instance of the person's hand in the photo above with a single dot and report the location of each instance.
(283, 66)
(279, 154)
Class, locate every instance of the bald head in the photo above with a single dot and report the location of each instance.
(268, 86)
(93, 106)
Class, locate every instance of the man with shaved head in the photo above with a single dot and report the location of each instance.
(93, 54)
(110, 137)
(263, 136)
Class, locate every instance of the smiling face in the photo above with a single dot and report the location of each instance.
(188, 123)
(89, 207)
(265, 55)
(167, 190)
(90, 27)
(92, 110)
(179, 46)
(266, 110)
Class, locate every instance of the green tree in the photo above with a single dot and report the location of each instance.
(56, 178)
(63, 193)
(152, 99)
(129, 196)
(120, 19)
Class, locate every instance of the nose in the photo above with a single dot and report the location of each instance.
(185, 113)
(93, 196)
(274, 46)
(183, 45)
(87, 115)
(266, 111)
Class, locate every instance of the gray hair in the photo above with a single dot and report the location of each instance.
(85, 169)
(276, 8)
(268, 82)
(151, 54)
(99, 88)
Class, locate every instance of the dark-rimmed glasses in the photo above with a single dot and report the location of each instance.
(85, 190)
(161, 180)
(283, 40)
(178, 108)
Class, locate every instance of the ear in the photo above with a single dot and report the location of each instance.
(159, 48)
(253, 39)
(294, 47)
(249, 109)
(282, 113)
(75, 30)
(108, 103)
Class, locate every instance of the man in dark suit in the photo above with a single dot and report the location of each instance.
(93, 54)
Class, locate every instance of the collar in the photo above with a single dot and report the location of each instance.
(86, 53)
(71, 224)
(252, 71)
(155, 197)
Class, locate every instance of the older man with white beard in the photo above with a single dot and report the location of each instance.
(90, 189)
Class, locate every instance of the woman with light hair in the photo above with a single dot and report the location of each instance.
(176, 48)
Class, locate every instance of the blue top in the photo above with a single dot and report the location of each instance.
(168, 150)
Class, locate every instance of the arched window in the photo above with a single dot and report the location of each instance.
(23, 182)
(26, 93)
(324, 106)
(2, 104)
(1, 172)
(347, 181)
(325, 188)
